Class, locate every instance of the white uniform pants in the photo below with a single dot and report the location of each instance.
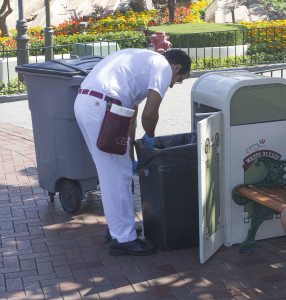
(114, 171)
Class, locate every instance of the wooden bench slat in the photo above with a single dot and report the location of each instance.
(262, 199)
(275, 193)
(281, 191)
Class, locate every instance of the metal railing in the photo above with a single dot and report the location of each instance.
(276, 72)
(208, 50)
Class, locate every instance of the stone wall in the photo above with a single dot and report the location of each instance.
(229, 11)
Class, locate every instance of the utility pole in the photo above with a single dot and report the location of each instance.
(22, 38)
(48, 33)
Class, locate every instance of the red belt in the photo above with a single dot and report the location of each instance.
(99, 95)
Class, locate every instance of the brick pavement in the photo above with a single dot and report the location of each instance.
(48, 254)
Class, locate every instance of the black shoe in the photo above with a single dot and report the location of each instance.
(136, 247)
(108, 237)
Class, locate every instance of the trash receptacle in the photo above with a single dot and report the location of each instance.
(64, 163)
(238, 116)
(168, 177)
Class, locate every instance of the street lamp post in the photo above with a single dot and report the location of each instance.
(48, 33)
(22, 38)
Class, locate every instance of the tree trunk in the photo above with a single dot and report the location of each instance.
(5, 11)
(171, 6)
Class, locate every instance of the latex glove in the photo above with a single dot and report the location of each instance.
(134, 166)
(148, 140)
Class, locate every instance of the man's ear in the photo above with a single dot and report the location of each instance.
(176, 68)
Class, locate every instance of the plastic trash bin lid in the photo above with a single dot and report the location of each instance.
(62, 67)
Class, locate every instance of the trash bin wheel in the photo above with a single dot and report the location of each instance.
(70, 196)
(52, 196)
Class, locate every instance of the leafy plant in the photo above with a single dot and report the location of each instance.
(267, 37)
(209, 63)
(14, 86)
(119, 21)
(125, 39)
(278, 4)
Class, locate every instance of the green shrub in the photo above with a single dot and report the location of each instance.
(14, 86)
(125, 39)
(240, 61)
(203, 34)
(64, 44)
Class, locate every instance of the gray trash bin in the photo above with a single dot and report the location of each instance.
(63, 161)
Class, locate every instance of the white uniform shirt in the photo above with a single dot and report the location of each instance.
(128, 74)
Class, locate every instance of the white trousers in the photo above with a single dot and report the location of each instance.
(114, 171)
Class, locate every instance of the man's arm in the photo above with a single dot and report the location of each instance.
(133, 132)
(150, 115)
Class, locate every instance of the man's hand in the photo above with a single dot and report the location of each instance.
(149, 141)
(134, 167)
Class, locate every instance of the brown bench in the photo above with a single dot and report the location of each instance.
(267, 197)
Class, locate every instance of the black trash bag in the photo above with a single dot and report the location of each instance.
(168, 177)
(170, 151)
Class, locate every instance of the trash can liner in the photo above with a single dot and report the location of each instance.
(168, 141)
(170, 152)
(168, 177)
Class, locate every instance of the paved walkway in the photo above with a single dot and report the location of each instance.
(175, 111)
(48, 254)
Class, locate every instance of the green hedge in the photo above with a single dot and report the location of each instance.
(239, 61)
(65, 44)
(198, 35)
(62, 44)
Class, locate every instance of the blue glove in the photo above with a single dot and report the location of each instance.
(148, 140)
(134, 166)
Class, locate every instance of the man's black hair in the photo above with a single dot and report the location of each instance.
(177, 56)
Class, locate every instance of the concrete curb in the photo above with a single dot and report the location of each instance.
(12, 98)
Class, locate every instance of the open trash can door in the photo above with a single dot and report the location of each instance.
(209, 172)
